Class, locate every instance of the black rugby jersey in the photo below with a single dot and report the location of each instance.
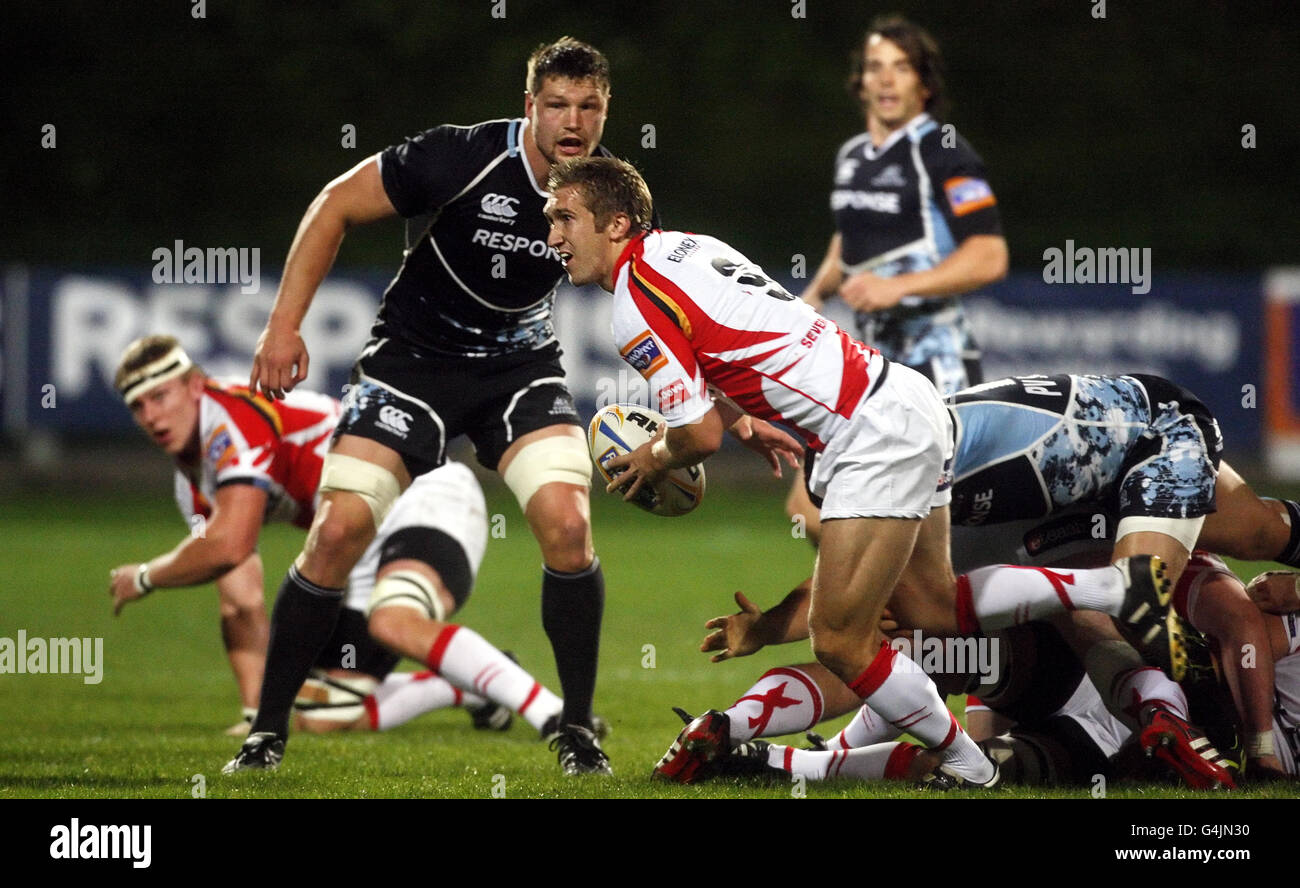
(478, 278)
(908, 204)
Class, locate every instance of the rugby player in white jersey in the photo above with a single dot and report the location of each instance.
(697, 316)
(243, 460)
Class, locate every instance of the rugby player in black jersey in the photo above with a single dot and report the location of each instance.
(464, 344)
(916, 220)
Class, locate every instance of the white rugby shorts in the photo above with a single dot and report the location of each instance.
(448, 498)
(894, 458)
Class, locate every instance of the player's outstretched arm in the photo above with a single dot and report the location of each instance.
(221, 543)
(750, 630)
(356, 197)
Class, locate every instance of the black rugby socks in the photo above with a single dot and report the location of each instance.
(301, 625)
(572, 607)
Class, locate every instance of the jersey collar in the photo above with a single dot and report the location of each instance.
(518, 148)
(872, 152)
(635, 247)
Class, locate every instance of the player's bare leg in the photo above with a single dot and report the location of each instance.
(455, 652)
(573, 586)
(245, 630)
(352, 505)
(859, 563)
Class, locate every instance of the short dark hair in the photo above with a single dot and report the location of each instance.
(567, 58)
(919, 47)
(608, 186)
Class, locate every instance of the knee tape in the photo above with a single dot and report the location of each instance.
(559, 458)
(374, 484)
(407, 588)
(1185, 530)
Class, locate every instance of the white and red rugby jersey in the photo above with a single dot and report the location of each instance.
(247, 439)
(690, 312)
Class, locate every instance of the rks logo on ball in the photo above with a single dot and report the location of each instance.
(644, 354)
(498, 207)
(396, 421)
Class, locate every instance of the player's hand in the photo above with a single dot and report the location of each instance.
(635, 470)
(279, 363)
(869, 292)
(768, 442)
(121, 586)
(736, 635)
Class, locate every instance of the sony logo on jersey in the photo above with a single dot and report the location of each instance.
(510, 243)
(880, 201)
(672, 395)
(498, 208)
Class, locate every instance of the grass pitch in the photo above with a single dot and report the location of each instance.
(152, 727)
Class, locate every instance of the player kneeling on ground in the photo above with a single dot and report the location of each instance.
(242, 460)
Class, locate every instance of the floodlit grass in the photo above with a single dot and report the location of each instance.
(152, 726)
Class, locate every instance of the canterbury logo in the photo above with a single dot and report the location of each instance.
(398, 420)
(499, 205)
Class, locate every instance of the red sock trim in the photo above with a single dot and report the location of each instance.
(532, 695)
(874, 675)
(434, 660)
(457, 696)
(900, 760)
(372, 711)
(953, 730)
(967, 622)
(788, 760)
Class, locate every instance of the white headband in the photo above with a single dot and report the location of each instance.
(169, 366)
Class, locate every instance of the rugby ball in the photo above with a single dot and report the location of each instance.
(622, 428)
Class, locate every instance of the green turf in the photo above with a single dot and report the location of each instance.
(152, 727)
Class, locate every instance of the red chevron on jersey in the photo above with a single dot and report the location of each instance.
(275, 446)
